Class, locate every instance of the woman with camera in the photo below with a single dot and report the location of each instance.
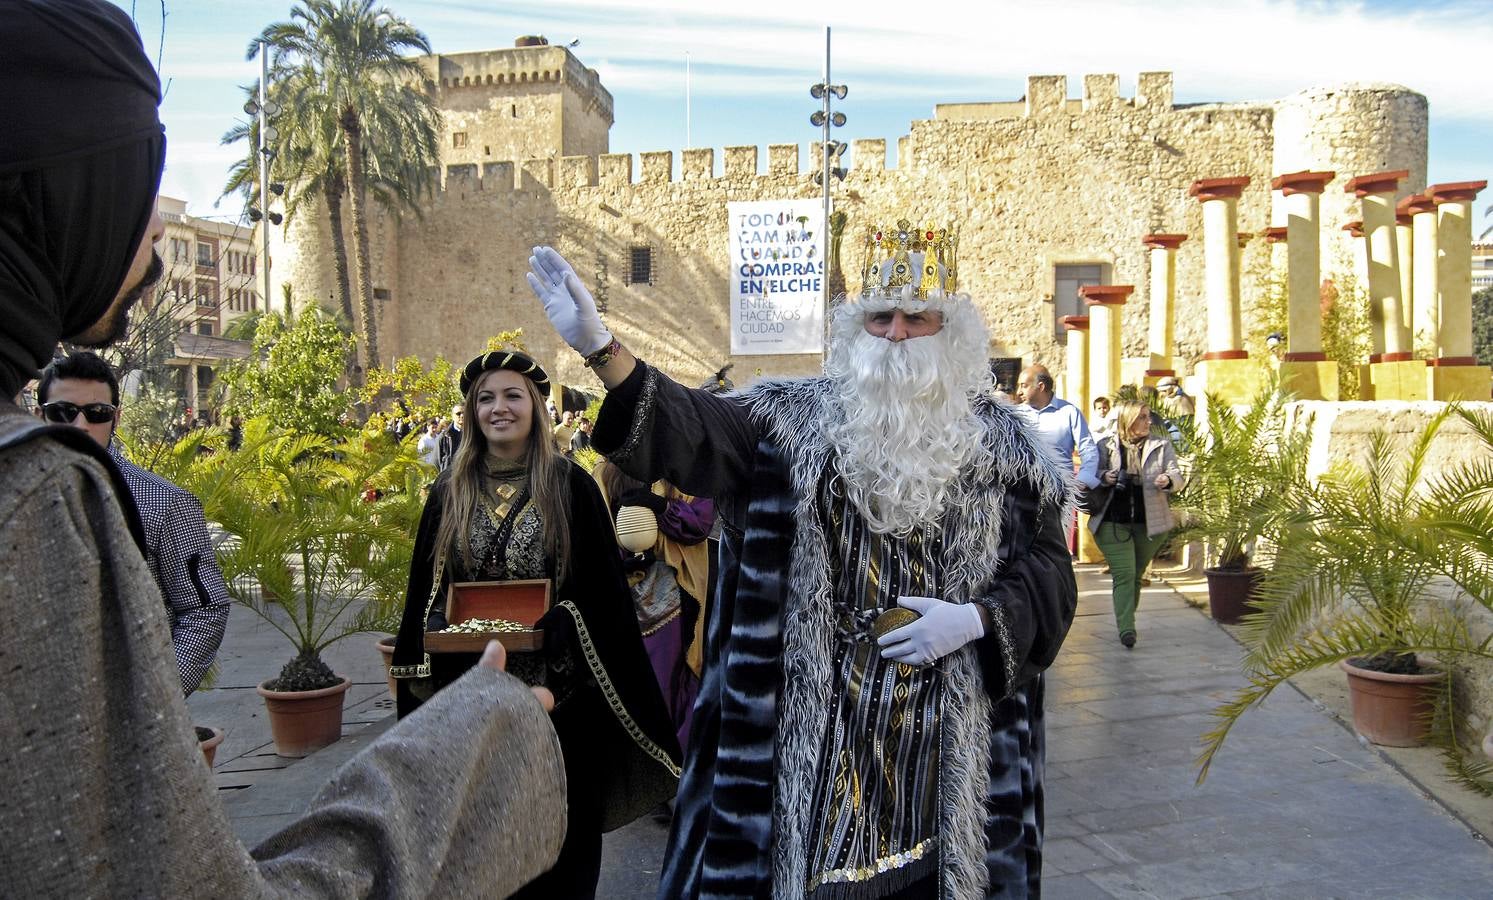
(1130, 513)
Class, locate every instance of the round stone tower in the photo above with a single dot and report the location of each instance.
(1352, 129)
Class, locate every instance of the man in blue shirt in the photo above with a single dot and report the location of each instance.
(1061, 426)
(1059, 423)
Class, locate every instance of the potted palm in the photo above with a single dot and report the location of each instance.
(1350, 586)
(388, 564)
(309, 554)
(1243, 471)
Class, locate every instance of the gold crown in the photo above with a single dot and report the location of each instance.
(892, 248)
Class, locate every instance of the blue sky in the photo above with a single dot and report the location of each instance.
(751, 65)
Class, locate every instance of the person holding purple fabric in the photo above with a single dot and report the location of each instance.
(670, 583)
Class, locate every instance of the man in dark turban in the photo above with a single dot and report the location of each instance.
(126, 808)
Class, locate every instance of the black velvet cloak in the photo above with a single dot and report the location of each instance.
(616, 725)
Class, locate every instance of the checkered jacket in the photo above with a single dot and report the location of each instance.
(181, 559)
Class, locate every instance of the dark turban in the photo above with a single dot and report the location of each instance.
(512, 360)
(81, 154)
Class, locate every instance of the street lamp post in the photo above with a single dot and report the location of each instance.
(264, 107)
(825, 117)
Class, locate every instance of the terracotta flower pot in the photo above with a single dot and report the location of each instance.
(303, 722)
(386, 647)
(209, 745)
(1389, 709)
(1229, 593)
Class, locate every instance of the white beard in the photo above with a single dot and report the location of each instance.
(907, 424)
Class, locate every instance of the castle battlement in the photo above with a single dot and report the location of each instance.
(1046, 98)
(540, 66)
(1047, 95)
(618, 170)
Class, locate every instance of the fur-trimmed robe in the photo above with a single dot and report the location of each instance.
(744, 811)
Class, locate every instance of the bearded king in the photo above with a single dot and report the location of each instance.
(893, 582)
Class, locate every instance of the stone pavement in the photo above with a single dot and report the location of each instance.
(1295, 807)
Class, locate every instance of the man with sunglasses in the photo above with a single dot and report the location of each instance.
(81, 390)
(464, 798)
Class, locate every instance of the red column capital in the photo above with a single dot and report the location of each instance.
(1275, 234)
(1455, 191)
(1205, 189)
(1354, 228)
(1376, 183)
(1107, 294)
(1163, 241)
(1415, 204)
(1302, 182)
(1075, 323)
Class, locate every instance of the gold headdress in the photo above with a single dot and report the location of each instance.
(924, 259)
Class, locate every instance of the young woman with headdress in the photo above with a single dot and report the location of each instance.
(510, 507)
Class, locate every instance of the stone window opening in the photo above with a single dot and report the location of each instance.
(1066, 301)
(458, 140)
(1006, 371)
(640, 265)
(204, 254)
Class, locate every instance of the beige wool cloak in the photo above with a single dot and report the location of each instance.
(103, 791)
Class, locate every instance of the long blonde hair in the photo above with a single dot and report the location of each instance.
(1126, 413)
(548, 482)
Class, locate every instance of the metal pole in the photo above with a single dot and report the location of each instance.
(264, 173)
(824, 160)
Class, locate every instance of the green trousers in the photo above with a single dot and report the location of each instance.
(1128, 551)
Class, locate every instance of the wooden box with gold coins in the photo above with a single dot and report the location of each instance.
(482, 611)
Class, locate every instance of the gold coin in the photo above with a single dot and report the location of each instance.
(893, 619)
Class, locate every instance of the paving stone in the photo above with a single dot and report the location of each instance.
(1067, 856)
(1291, 808)
(1071, 887)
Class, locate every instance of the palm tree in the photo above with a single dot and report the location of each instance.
(344, 63)
(1351, 579)
(309, 157)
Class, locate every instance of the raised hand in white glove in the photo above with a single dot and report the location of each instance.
(567, 302)
(940, 629)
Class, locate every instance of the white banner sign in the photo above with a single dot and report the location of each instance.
(777, 276)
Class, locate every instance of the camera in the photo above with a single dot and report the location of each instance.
(1122, 478)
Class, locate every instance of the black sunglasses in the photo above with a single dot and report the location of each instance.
(64, 413)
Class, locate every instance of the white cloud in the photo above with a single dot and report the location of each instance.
(1219, 49)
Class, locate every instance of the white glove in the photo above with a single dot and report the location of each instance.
(567, 302)
(940, 629)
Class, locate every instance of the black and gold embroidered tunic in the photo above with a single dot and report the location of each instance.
(508, 539)
(875, 814)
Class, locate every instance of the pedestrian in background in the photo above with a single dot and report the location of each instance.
(1130, 513)
(1061, 427)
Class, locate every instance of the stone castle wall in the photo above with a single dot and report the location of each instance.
(519, 103)
(1033, 184)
